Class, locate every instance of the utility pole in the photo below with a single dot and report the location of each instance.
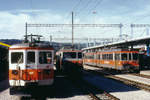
(72, 32)
(131, 31)
(120, 30)
(50, 40)
(26, 33)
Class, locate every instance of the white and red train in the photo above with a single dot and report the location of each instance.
(31, 64)
(69, 60)
(114, 59)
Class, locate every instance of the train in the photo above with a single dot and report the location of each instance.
(31, 65)
(69, 61)
(117, 59)
(3, 63)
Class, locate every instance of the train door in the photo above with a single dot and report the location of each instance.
(117, 59)
(31, 65)
(58, 57)
(94, 59)
(16, 66)
(61, 57)
(79, 57)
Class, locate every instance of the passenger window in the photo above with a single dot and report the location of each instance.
(110, 56)
(45, 57)
(135, 56)
(124, 56)
(31, 57)
(17, 57)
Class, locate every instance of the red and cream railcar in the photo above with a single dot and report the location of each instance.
(69, 60)
(31, 64)
(119, 60)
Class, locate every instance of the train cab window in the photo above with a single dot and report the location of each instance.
(69, 54)
(79, 55)
(45, 57)
(31, 57)
(135, 56)
(17, 57)
(124, 56)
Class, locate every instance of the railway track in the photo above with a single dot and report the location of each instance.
(131, 83)
(93, 92)
(111, 75)
(140, 75)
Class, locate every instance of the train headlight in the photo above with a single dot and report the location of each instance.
(31, 73)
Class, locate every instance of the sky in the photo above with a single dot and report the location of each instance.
(15, 13)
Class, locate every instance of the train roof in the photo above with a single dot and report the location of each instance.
(110, 52)
(68, 51)
(31, 46)
(141, 40)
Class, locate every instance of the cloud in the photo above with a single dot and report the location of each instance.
(12, 24)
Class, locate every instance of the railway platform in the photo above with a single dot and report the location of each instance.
(145, 72)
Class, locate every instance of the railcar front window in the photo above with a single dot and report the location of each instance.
(79, 55)
(69, 54)
(124, 56)
(135, 56)
(45, 57)
(31, 57)
(17, 57)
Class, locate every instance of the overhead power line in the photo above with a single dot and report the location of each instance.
(75, 25)
(140, 25)
(85, 6)
(77, 5)
(96, 5)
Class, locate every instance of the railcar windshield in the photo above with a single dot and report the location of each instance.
(45, 57)
(17, 57)
(31, 57)
(69, 55)
(79, 55)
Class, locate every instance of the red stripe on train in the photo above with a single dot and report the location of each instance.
(31, 74)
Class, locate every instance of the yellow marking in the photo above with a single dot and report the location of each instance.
(3, 44)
